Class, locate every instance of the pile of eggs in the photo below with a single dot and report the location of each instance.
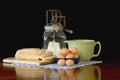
(66, 56)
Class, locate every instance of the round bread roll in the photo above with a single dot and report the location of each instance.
(29, 53)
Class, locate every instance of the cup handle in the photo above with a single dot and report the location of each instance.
(99, 50)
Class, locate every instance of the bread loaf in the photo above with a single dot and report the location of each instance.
(29, 53)
(49, 59)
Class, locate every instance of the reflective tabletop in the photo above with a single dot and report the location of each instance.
(102, 71)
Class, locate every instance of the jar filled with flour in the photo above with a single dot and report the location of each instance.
(54, 35)
(54, 38)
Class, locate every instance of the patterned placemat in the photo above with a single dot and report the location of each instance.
(55, 66)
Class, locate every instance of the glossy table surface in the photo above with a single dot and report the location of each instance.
(103, 71)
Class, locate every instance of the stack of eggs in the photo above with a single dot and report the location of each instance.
(67, 56)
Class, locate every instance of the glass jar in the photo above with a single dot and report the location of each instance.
(54, 38)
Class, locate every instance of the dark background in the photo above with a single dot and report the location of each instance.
(22, 25)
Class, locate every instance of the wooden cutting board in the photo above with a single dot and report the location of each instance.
(35, 62)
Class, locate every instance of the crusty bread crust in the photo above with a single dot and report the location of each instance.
(35, 54)
(29, 53)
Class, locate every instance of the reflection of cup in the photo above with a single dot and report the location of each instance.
(86, 48)
(90, 72)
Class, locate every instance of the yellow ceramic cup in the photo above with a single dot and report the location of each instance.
(86, 48)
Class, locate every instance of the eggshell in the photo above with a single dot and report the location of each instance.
(61, 62)
(64, 51)
(61, 55)
(76, 56)
(73, 50)
(70, 55)
(70, 62)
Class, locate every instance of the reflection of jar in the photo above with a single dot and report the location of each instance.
(54, 38)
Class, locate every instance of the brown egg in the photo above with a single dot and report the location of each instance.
(61, 55)
(76, 56)
(61, 62)
(73, 50)
(70, 55)
(65, 51)
(70, 62)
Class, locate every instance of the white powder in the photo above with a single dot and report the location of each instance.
(54, 47)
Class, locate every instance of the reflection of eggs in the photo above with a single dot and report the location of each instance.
(70, 72)
(61, 72)
(61, 62)
(70, 62)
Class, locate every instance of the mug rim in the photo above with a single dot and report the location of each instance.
(79, 40)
